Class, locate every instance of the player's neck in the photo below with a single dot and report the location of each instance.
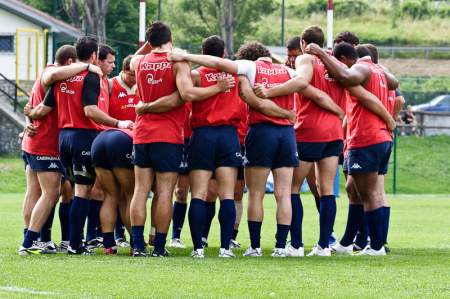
(163, 48)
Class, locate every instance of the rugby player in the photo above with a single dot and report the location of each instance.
(42, 164)
(270, 143)
(158, 138)
(369, 140)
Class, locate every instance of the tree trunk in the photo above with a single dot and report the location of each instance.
(227, 25)
(73, 10)
(94, 18)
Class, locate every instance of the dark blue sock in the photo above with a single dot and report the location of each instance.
(137, 233)
(235, 233)
(179, 213)
(108, 240)
(78, 213)
(30, 237)
(281, 235)
(327, 213)
(296, 223)
(317, 201)
(254, 230)
(64, 211)
(386, 218)
(227, 217)
(160, 242)
(210, 213)
(375, 221)
(93, 220)
(197, 220)
(333, 215)
(363, 233)
(46, 230)
(25, 232)
(119, 229)
(354, 218)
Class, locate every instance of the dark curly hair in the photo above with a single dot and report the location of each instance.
(252, 51)
(348, 37)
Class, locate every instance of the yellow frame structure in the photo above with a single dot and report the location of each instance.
(36, 32)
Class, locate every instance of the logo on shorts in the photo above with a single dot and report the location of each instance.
(129, 156)
(355, 166)
(152, 81)
(53, 166)
(85, 153)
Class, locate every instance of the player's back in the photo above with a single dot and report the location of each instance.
(155, 78)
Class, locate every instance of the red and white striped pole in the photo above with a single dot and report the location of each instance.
(141, 22)
(330, 24)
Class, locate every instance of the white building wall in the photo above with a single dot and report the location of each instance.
(8, 25)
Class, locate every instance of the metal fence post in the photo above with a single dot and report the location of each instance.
(394, 187)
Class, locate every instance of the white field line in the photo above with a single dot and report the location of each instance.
(24, 290)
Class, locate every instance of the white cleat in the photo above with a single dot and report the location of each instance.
(47, 247)
(63, 246)
(234, 244)
(279, 252)
(291, 251)
(257, 252)
(198, 254)
(371, 252)
(319, 251)
(177, 243)
(226, 253)
(342, 250)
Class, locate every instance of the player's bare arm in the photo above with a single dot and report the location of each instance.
(214, 62)
(267, 107)
(58, 73)
(373, 104)
(189, 92)
(398, 106)
(161, 105)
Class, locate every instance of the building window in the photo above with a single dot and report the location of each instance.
(6, 43)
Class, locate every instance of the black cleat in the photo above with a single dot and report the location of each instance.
(139, 253)
(80, 251)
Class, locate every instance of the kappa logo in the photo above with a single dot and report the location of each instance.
(122, 95)
(355, 166)
(155, 66)
(271, 72)
(152, 81)
(213, 77)
(53, 165)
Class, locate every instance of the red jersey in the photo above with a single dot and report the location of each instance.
(391, 102)
(187, 128)
(45, 142)
(155, 78)
(220, 109)
(122, 100)
(270, 75)
(364, 127)
(315, 124)
(243, 122)
(68, 94)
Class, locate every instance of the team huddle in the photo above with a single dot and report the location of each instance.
(159, 128)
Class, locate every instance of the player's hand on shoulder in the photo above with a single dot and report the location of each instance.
(31, 130)
(27, 109)
(177, 55)
(260, 91)
(125, 124)
(226, 83)
(313, 49)
(95, 69)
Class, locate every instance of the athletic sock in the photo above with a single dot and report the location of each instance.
(333, 215)
(179, 213)
(375, 221)
(210, 213)
(108, 240)
(235, 233)
(355, 217)
(296, 223)
(386, 218)
(197, 220)
(25, 232)
(281, 235)
(64, 212)
(119, 228)
(327, 209)
(363, 233)
(30, 237)
(317, 201)
(78, 213)
(254, 229)
(46, 230)
(93, 219)
(137, 233)
(160, 242)
(227, 217)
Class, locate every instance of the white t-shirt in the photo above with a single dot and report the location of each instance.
(248, 68)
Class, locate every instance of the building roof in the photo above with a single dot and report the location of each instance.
(39, 18)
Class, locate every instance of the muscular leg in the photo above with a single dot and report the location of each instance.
(210, 208)
(32, 195)
(125, 178)
(256, 178)
(93, 229)
(226, 180)
(198, 179)
(164, 188)
(282, 184)
(312, 184)
(64, 209)
(138, 210)
(180, 205)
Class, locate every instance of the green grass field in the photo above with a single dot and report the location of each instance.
(418, 267)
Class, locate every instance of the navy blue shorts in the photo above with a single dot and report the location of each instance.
(160, 156)
(75, 154)
(240, 174)
(213, 147)
(183, 165)
(112, 149)
(373, 158)
(272, 146)
(316, 151)
(42, 163)
(345, 164)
